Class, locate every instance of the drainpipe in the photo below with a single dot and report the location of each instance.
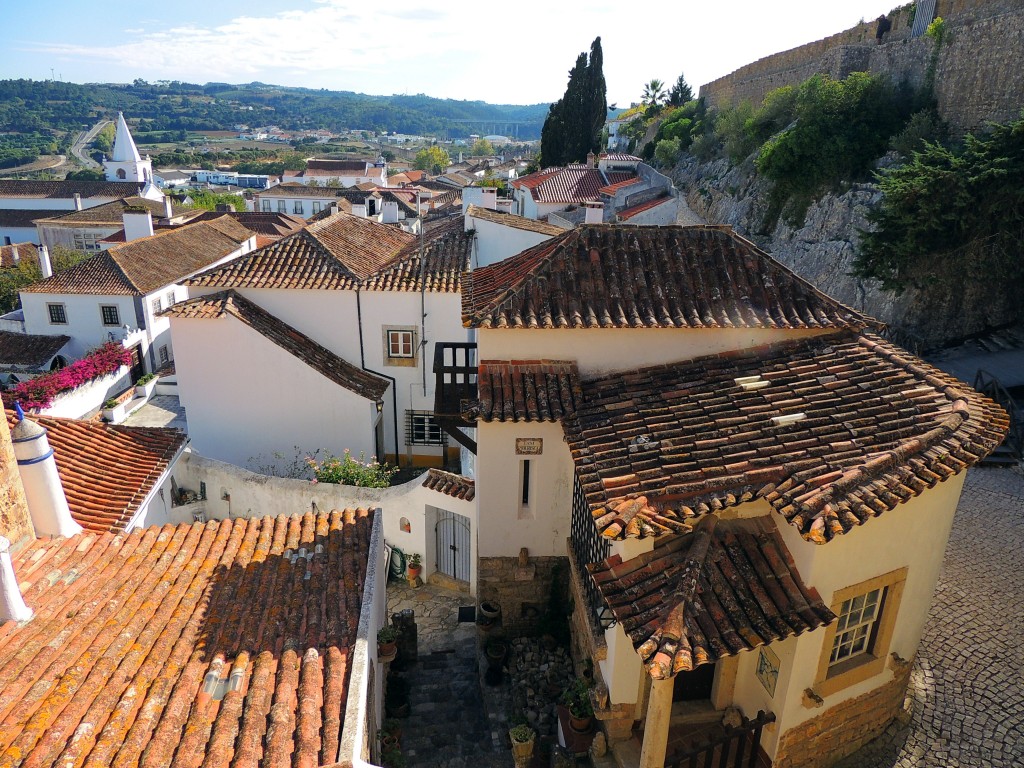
(394, 384)
(423, 300)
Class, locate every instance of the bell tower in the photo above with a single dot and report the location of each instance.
(125, 162)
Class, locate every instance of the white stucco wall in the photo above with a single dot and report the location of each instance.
(246, 397)
(495, 242)
(88, 398)
(504, 526)
(602, 350)
(85, 322)
(659, 215)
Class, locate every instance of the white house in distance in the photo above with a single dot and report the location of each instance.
(119, 294)
(340, 173)
(753, 489)
(86, 229)
(385, 313)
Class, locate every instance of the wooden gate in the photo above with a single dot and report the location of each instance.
(452, 540)
(737, 747)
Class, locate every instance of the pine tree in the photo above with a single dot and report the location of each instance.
(574, 122)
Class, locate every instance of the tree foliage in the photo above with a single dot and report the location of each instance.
(432, 160)
(13, 279)
(482, 147)
(960, 206)
(209, 200)
(654, 93)
(574, 122)
(680, 93)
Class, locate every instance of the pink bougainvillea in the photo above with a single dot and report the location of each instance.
(41, 391)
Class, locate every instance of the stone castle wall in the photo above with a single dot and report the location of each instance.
(522, 592)
(977, 77)
(15, 522)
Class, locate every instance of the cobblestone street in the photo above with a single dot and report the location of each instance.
(968, 681)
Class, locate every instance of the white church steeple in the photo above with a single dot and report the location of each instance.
(125, 163)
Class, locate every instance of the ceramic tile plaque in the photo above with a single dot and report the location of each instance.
(529, 446)
(767, 669)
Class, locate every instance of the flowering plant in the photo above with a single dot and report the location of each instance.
(41, 391)
(348, 470)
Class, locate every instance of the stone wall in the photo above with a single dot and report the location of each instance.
(521, 591)
(15, 522)
(843, 729)
(977, 76)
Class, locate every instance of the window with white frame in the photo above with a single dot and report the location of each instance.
(422, 429)
(266, 205)
(316, 206)
(170, 298)
(857, 626)
(156, 305)
(110, 314)
(282, 206)
(297, 207)
(164, 355)
(58, 314)
(87, 241)
(401, 343)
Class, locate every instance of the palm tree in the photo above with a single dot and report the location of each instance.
(654, 92)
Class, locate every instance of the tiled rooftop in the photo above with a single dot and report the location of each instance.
(729, 586)
(107, 470)
(608, 276)
(24, 217)
(511, 220)
(628, 213)
(450, 484)
(26, 251)
(571, 184)
(149, 263)
(526, 390)
(29, 350)
(831, 431)
(317, 357)
(67, 189)
(295, 189)
(216, 644)
(347, 252)
(113, 213)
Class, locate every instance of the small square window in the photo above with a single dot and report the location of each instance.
(422, 429)
(298, 207)
(855, 630)
(170, 298)
(58, 314)
(110, 314)
(164, 355)
(156, 304)
(400, 344)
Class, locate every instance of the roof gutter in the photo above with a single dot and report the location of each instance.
(362, 364)
(155, 488)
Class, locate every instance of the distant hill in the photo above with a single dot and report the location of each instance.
(32, 106)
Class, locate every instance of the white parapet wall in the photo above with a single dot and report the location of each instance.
(88, 398)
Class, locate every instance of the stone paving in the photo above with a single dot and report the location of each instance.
(450, 725)
(967, 685)
(160, 411)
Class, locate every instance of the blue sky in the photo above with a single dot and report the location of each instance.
(501, 52)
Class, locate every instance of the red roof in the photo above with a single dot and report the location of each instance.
(628, 213)
(107, 470)
(220, 643)
(572, 184)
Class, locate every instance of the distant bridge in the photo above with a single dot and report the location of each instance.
(498, 127)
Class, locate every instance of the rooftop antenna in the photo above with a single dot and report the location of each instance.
(51, 74)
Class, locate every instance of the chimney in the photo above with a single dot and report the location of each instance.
(389, 212)
(47, 504)
(12, 604)
(138, 222)
(489, 198)
(591, 160)
(44, 262)
(224, 208)
(359, 209)
(14, 517)
(595, 213)
(168, 208)
(15, 257)
(78, 201)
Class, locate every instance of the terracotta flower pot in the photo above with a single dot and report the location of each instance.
(580, 724)
(387, 651)
(414, 572)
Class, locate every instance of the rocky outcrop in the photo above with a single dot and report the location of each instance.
(950, 304)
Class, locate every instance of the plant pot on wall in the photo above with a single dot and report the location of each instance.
(522, 737)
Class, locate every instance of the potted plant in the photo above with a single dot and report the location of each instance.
(393, 758)
(113, 411)
(415, 567)
(576, 698)
(387, 643)
(522, 737)
(145, 385)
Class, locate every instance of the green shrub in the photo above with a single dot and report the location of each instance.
(667, 152)
(347, 470)
(731, 131)
(923, 126)
(705, 147)
(145, 379)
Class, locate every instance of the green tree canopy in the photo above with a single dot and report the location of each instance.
(654, 93)
(482, 147)
(680, 93)
(574, 122)
(432, 160)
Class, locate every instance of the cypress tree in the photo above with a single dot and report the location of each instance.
(574, 122)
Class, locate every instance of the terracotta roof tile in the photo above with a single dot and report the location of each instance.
(525, 390)
(317, 357)
(729, 586)
(346, 252)
(134, 634)
(511, 220)
(450, 484)
(571, 184)
(29, 350)
(107, 470)
(295, 189)
(113, 212)
(149, 263)
(628, 213)
(25, 251)
(621, 276)
(24, 217)
(611, 189)
(657, 447)
(68, 189)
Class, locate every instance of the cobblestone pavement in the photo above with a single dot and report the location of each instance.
(967, 685)
(450, 725)
(160, 411)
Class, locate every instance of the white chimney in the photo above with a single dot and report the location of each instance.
(591, 160)
(595, 213)
(78, 201)
(15, 257)
(137, 223)
(12, 604)
(359, 209)
(168, 209)
(44, 262)
(47, 503)
(489, 198)
(389, 212)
